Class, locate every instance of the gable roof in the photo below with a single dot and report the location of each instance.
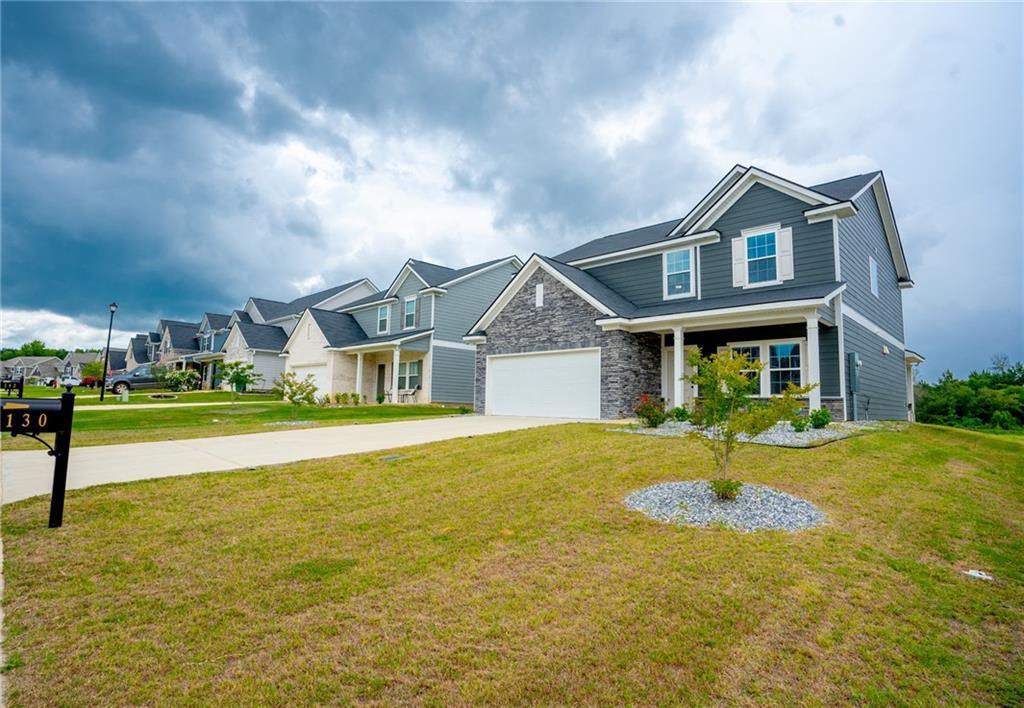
(78, 358)
(435, 276)
(847, 187)
(620, 241)
(339, 328)
(118, 359)
(262, 336)
(137, 344)
(300, 304)
(270, 309)
(216, 321)
(154, 337)
(241, 316)
(164, 324)
(183, 336)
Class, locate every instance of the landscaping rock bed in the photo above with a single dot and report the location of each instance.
(781, 435)
(756, 508)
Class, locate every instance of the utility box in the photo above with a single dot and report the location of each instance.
(853, 367)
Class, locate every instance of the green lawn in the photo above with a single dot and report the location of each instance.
(97, 427)
(505, 569)
(91, 396)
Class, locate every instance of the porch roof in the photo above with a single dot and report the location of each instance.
(762, 300)
(383, 343)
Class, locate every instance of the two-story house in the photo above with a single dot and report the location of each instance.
(257, 333)
(178, 340)
(138, 351)
(808, 280)
(404, 343)
(212, 333)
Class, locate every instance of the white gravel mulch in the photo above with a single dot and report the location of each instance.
(781, 435)
(756, 508)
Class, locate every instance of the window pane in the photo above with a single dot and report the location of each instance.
(678, 283)
(780, 379)
(678, 261)
(784, 356)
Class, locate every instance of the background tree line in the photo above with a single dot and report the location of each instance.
(37, 348)
(993, 398)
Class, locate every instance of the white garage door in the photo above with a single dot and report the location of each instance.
(563, 384)
(319, 372)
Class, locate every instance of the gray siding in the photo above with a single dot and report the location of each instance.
(367, 319)
(451, 374)
(861, 236)
(410, 286)
(640, 280)
(883, 383)
(459, 309)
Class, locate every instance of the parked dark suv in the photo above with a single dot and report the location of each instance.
(139, 377)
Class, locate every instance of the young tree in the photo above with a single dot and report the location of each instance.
(298, 392)
(240, 375)
(727, 383)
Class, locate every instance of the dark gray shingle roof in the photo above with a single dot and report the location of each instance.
(366, 300)
(138, 347)
(271, 309)
(118, 359)
(260, 336)
(242, 316)
(339, 328)
(389, 337)
(843, 189)
(217, 321)
(154, 337)
(619, 242)
(299, 305)
(598, 290)
(183, 336)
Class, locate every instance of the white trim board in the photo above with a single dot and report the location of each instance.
(669, 244)
(871, 326)
(711, 197)
(454, 345)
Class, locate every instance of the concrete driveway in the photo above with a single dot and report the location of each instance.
(29, 473)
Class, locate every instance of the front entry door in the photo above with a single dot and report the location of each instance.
(382, 377)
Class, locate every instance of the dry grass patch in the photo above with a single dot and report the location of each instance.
(505, 569)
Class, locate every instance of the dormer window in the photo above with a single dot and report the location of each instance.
(382, 319)
(679, 278)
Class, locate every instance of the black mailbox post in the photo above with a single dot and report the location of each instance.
(33, 416)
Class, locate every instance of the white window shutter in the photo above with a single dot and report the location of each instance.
(785, 254)
(739, 263)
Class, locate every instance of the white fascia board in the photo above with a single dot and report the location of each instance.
(866, 187)
(755, 176)
(374, 303)
(650, 249)
(516, 284)
(841, 210)
(433, 291)
(474, 339)
(913, 357)
(298, 325)
(872, 327)
(892, 234)
(377, 346)
(723, 184)
(402, 275)
(477, 272)
(770, 307)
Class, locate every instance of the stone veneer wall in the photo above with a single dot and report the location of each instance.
(630, 363)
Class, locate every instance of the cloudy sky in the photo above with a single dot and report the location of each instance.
(178, 158)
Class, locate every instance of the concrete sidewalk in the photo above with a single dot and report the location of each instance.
(26, 474)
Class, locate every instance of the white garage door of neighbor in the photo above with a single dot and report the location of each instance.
(319, 372)
(554, 384)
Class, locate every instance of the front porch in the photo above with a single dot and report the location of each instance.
(398, 369)
(799, 347)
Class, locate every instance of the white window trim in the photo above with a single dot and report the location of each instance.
(873, 276)
(758, 231)
(693, 274)
(765, 375)
(405, 314)
(405, 376)
(387, 319)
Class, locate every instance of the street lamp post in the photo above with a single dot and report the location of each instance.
(106, 352)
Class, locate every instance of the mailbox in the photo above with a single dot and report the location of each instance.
(33, 416)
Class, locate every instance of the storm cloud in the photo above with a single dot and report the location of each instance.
(179, 158)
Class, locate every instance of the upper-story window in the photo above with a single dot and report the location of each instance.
(762, 255)
(382, 319)
(679, 273)
(873, 275)
(409, 313)
(762, 266)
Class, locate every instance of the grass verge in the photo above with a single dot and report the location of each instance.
(177, 423)
(506, 569)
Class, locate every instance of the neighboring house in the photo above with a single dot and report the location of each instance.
(212, 335)
(805, 279)
(403, 343)
(258, 332)
(34, 367)
(138, 351)
(118, 359)
(73, 362)
(153, 347)
(178, 340)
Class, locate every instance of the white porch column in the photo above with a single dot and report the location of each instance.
(359, 373)
(394, 375)
(813, 363)
(677, 366)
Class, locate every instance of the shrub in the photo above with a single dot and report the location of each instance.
(799, 423)
(337, 398)
(821, 417)
(298, 392)
(726, 489)
(344, 399)
(324, 400)
(355, 399)
(182, 380)
(1003, 421)
(680, 414)
(463, 410)
(381, 398)
(650, 411)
